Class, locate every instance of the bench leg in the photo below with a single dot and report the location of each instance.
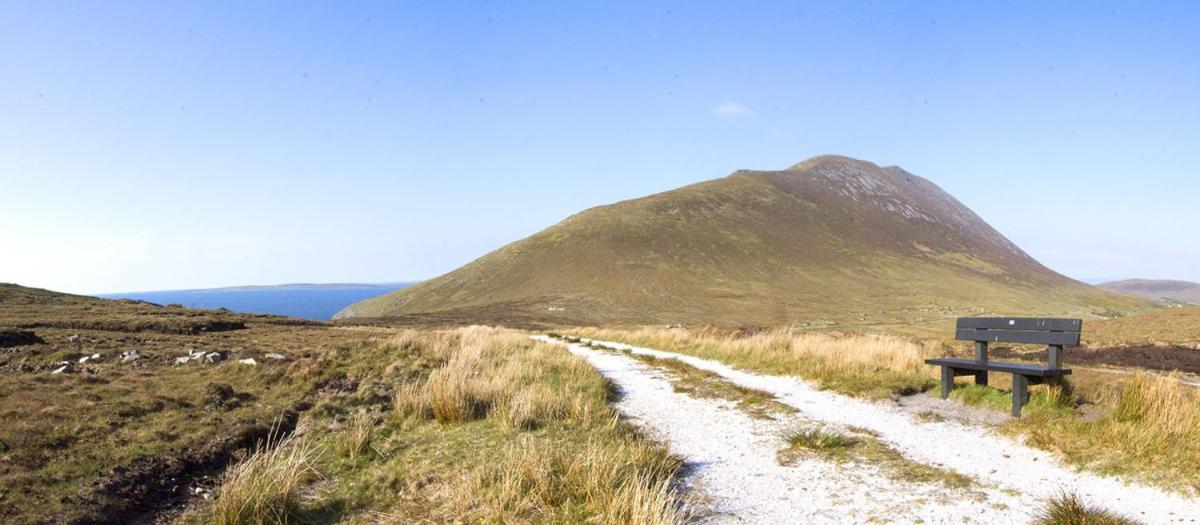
(981, 377)
(1020, 394)
(1055, 356)
(947, 381)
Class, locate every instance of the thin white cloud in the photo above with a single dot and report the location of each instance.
(732, 110)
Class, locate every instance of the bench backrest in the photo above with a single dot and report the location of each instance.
(1029, 330)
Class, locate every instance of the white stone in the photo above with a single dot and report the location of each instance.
(248, 361)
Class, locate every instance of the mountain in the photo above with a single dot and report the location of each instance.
(1158, 290)
(829, 241)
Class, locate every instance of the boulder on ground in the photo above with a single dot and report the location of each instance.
(130, 356)
(89, 359)
(248, 361)
(66, 368)
(74, 339)
(214, 357)
(275, 356)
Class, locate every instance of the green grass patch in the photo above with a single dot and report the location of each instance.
(1042, 398)
(862, 446)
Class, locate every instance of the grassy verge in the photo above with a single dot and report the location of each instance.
(862, 446)
(1148, 429)
(871, 366)
(472, 425)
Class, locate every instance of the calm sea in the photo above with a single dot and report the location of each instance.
(309, 303)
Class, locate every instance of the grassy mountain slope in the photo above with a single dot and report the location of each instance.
(1170, 291)
(829, 241)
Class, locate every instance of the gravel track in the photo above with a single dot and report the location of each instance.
(732, 465)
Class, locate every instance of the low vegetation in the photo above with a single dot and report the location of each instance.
(863, 446)
(114, 439)
(1165, 327)
(1068, 509)
(265, 488)
(1150, 430)
(473, 425)
(872, 366)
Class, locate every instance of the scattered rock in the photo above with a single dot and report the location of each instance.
(248, 361)
(89, 359)
(214, 357)
(73, 339)
(182, 360)
(275, 356)
(66, 368)
(130, 356)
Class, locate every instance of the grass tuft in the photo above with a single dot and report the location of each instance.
(820, 440)
(265, 488)
(1068, 509)
(355, 441)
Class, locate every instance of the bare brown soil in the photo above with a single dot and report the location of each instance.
(10, 338)
(147, 488)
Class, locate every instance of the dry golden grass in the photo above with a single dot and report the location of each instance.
(480, 425)
(1170, 326)
(613, 483)
(265, 488)
(1150, 431)
(866, 365)
(356, 439)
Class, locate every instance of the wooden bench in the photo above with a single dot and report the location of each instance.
(1057, 333)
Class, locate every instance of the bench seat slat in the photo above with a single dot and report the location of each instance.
(1012, 368)
(1009, 336)
(1021, 323)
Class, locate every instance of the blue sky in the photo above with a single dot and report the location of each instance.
(165, 145)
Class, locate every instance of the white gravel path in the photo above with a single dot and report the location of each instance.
(735, 468)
